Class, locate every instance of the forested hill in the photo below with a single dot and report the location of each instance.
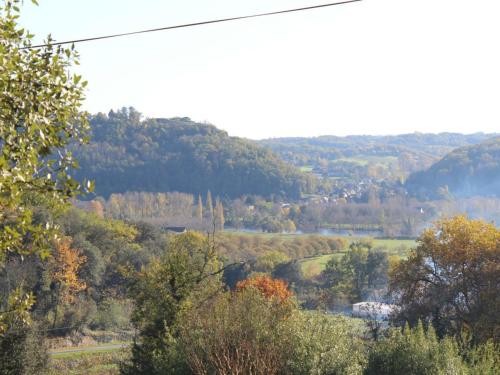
(399, 154)
(157, 155)
(351, 145)
(419, 145)
(466, 171)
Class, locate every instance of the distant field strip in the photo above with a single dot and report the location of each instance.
(70, 352)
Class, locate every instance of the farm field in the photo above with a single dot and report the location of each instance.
(389, 243)
(306, 168)
(313, 250)
(364, 160)
(91, 361)
(237, 246)
(314, 265)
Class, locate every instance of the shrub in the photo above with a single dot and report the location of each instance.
(270, 288)
(484, 359)
(415, 352)
(112, 313)
(249, 332)
(22, 352)
(323, 344)
(237, 333)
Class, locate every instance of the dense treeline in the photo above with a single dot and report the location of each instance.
(82, 282)
(392, 216)
(465, 172)
(159, 155)
(247, 246)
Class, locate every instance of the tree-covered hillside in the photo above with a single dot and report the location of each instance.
(391, 157)
(353, 145)
(466, 171)
(158, 155)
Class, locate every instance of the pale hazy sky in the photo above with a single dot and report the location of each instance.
(374, 67)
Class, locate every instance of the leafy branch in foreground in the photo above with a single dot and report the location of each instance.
(40, 118)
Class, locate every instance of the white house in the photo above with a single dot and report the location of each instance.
(373, 310)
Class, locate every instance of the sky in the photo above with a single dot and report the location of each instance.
(373, 67)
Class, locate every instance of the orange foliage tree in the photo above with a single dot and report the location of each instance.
(452, 279)
(269, 287)
(66, 263)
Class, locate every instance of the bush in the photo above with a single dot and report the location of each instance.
(484, 359)
(111, 314)
(238, 333)
(324, 344)
(252, 332)
(23, 352)
(415, 352)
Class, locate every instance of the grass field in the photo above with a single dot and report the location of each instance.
(392, 244)
(281, 236)
(388, 243)
(102, 362)
(306, 168)
(364, 160)
(72, 353)
(313, 266)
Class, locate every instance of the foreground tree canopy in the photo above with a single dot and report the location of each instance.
(39, 117)
(452, 279)
(188, 323)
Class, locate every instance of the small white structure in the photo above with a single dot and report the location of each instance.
(373, 310)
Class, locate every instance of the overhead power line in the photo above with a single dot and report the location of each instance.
(193, 24)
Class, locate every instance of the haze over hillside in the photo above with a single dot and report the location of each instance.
(464, 172)
(421, 147)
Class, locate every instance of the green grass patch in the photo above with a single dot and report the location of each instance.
(265, 235)
(314, 266)
(73, 355)
(393, 244)
(312, 250)
(364, 160)
(103, 362)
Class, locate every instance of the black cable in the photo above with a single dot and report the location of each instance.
(192, 24)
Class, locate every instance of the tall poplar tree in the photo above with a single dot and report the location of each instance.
(219, 212)
(199, 209)
(210, 206)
